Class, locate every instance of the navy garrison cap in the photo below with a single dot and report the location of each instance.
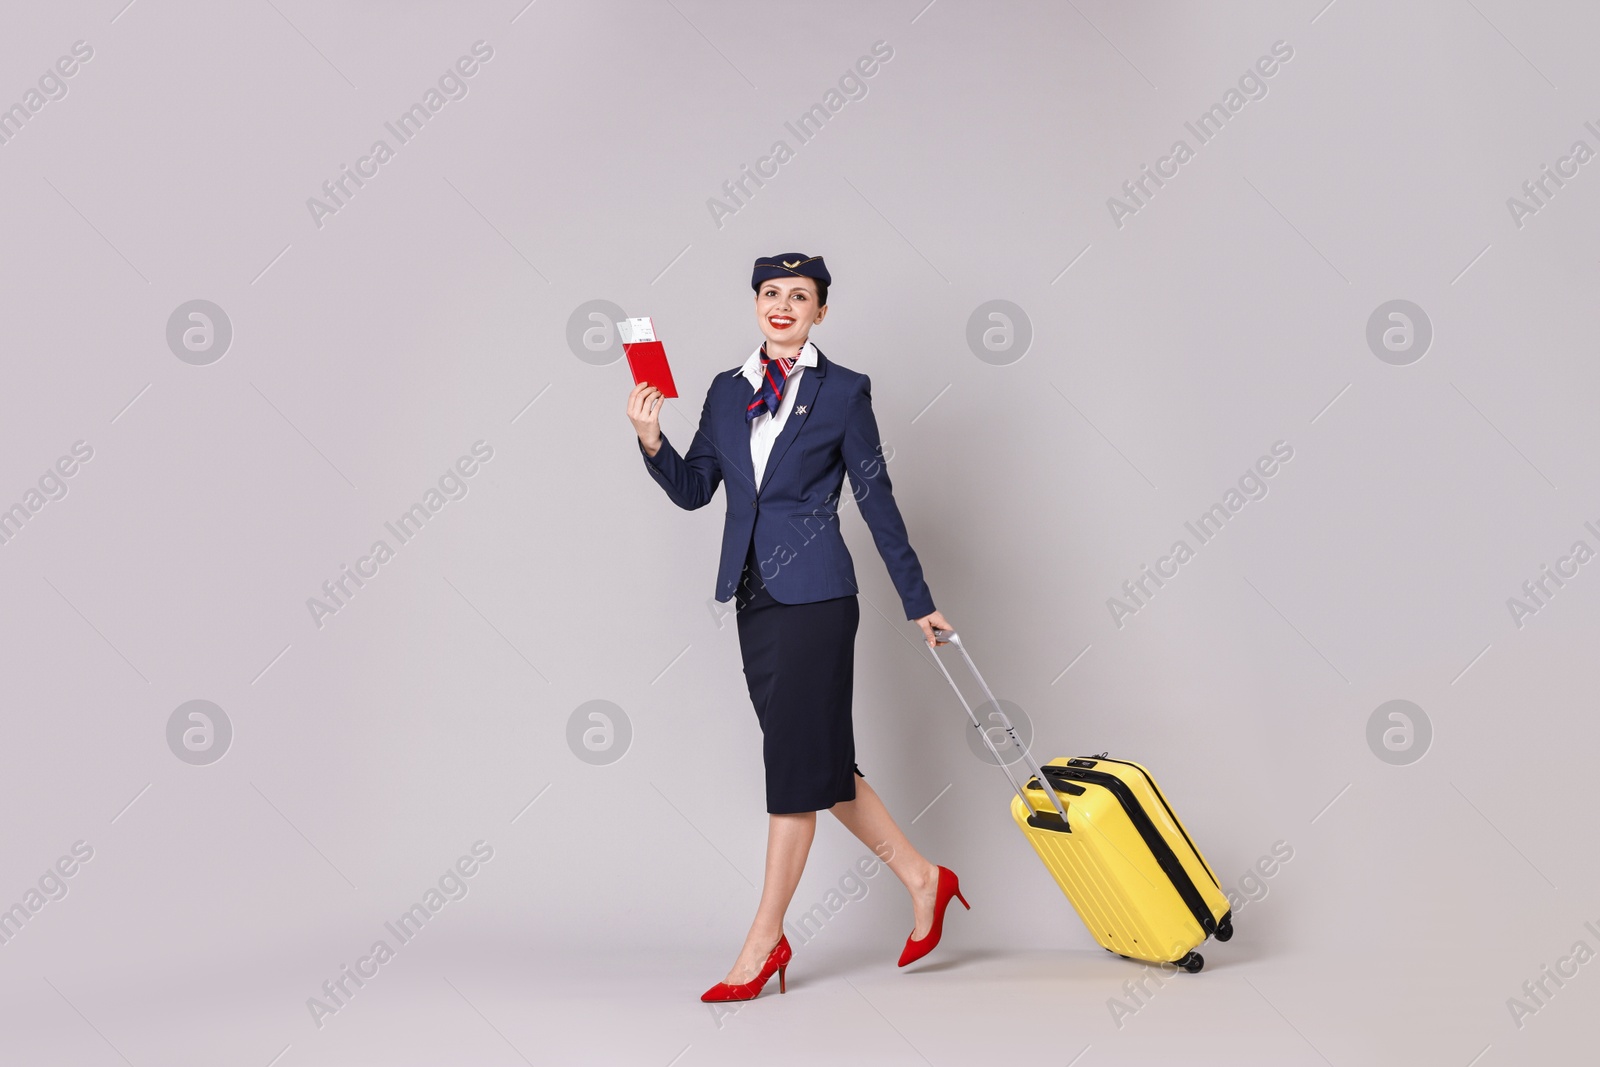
(790, 265)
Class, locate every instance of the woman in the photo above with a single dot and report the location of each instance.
(782, 431)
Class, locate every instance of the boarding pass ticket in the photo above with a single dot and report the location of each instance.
(636, 331)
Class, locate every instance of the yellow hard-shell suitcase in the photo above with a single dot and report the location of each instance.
(1114, 845)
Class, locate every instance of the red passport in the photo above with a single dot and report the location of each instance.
(646, 358)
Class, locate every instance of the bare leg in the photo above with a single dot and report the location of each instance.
(868, 819)
(788, 843)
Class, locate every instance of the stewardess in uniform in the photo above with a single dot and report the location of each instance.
(780, 433)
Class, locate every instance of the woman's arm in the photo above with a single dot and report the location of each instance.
(869, 480)
(689, 481)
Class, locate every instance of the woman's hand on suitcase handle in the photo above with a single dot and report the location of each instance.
(929, 623)
(644, 411)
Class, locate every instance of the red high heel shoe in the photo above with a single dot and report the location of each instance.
(949, 886)
(777, 960)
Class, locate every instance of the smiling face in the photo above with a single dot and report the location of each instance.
(787, 308)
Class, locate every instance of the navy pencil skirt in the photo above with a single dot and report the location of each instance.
(799, 664)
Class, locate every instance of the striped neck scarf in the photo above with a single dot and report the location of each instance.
(774, 376)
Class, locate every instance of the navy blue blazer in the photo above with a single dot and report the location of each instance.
(794, 518)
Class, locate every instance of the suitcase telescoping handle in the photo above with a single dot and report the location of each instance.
(950, 637)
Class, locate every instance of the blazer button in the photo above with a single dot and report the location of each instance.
(752, 503)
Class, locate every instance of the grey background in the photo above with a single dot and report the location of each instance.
(433, 710)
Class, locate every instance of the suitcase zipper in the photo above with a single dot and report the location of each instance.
(1156, 789)
(1162, 852)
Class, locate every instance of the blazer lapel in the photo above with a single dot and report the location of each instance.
(737, 439)
(810, 382)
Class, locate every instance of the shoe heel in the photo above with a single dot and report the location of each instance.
(963, 900)
(782, 988)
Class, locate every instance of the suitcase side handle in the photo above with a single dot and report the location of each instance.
(950, 637)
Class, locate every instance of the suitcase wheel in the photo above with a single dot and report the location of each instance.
(1225, 930)
(1192, 962)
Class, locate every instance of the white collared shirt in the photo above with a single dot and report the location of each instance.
(765, 427)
